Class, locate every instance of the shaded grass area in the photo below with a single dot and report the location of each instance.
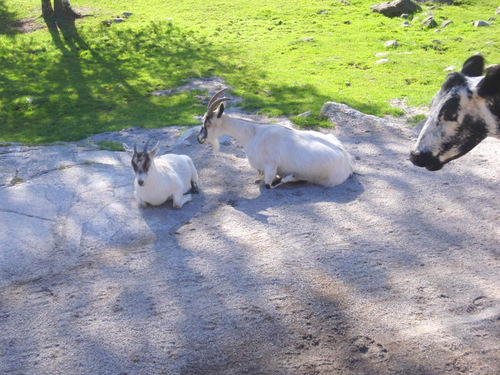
(282, 57)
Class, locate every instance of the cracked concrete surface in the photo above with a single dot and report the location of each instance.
(395, 271)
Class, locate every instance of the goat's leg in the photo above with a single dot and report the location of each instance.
(270, 176)
(179, 199)
(283, 180)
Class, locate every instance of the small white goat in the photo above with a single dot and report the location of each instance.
(159, 179)
(279, 153)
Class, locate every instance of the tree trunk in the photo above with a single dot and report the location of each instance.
(62, 9)
(47, 10)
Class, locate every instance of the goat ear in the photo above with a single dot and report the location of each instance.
(490, 84)
(473, 66)
(221, 110)
(153, 152)
(128, 149)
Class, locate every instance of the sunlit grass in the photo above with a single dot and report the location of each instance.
(282, 57)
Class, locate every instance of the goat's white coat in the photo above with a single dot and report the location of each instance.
(292, 154)
(170, 176)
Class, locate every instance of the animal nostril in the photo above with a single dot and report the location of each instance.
(140, 182)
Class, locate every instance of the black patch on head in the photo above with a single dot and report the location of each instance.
(449, 110)
(454, 79)
(141, 161)
(469, 134)
(473, 66)
(221, 110)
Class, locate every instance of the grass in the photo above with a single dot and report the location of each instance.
(283, 57)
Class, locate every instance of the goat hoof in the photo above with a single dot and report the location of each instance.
(268, 186)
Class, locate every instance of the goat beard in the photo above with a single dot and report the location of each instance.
(215, 146)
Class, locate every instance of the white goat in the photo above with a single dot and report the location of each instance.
(159, 179)
(279, 153)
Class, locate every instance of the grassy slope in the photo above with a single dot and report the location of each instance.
(102, 80)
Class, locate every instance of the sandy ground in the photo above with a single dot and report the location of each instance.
(397, 271)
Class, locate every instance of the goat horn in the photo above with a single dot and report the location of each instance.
(216, 103)
(135, 149)
(214, 98)
(146, 147)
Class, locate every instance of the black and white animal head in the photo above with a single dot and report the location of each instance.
(211, 129)
(464, 112)
(141, 161)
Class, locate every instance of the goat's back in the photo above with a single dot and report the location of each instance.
(310, 155)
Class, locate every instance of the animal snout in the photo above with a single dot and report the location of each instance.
(426, 160)
(140, 182)
(202, 135)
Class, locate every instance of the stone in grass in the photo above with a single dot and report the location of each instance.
(445, 23)
(449, 68)
(406, 24)
(396, 8)
(392, 43)
(118, 20)
(429, 22)
(481, 23)
(127, 14)
(498, 11)
(106, 23)
(382, 61)
(305, 114)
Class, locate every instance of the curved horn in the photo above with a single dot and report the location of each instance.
(216, 103)
(146, 147)
(214, 98)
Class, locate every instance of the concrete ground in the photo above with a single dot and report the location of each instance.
(396, 271)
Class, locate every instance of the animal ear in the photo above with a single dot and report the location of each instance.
(453, 80)
(490, 84)
(153, 152)
(221, 110)
(473, 66)
(128, 149)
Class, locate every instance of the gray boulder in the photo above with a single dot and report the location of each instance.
(481, 23)
(396, 8)
(446, 23)
(429, 22)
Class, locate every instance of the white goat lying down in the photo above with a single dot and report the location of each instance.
(159, 179)
(279, 153)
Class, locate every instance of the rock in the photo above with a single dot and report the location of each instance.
(308, 39)
(490, 42)
(405, 15)
(481, 23)
(451, 68)
(492, 19)
(127, 14)
(406, 24)
(381, 54)
(382, 61)
(106, 23)
(429, 22)
(118, 19)
(445, 23)
(498, 11)
(396, 8)
(436, 41)
(391, 43)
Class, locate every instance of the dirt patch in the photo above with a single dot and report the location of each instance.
(27, 25)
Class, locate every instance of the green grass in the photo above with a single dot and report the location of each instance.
(52, 89)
